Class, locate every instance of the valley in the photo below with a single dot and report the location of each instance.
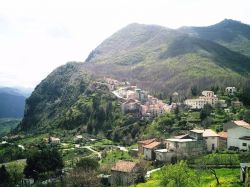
(150, 106)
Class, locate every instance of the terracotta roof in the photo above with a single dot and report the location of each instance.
(145, 142)
(242, 123)
(209, 133)
(152, 145)
(223, 135)
(124, 166)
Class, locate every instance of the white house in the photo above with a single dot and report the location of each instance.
(238, 135)
(230, 90)
(164, 155)
(54, 140)
(212, 139)
(207, 97)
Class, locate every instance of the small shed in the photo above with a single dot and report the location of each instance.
(123, 173)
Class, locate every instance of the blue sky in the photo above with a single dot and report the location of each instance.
(36, 36)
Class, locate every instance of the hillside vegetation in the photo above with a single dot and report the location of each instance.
(70, 98)
(165, 60)
(158, 59)
(229, 33)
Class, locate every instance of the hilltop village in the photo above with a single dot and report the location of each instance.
(137, 101)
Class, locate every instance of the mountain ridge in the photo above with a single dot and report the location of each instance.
(157, 59)
(12, 101)
(163, 48)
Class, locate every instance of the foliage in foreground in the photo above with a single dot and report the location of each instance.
(201, 178)
(42, 161)
(178, 175)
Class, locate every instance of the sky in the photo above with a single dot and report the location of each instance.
(36, 36)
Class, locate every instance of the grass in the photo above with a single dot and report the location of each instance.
(227, 178)
(32, 139)
(102, 142)
(72, 155)
(115, 155)
(16, 166)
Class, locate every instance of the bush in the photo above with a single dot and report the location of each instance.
(48, 159)
(178, 175)
(88, 164)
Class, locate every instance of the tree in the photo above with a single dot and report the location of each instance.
(206, 111)
(215, 89)
(178, 175)
(244, 157)
(48, 159)
(246, 116)
(85, 174)
(88, 164)
(170, 100)
(194, 90)
(80, 177)
(4, 176)
(244, 94)
(206, 122)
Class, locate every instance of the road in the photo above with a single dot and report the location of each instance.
(94, 151)
(150, 172)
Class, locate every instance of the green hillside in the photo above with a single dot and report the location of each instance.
(158, 59)
(229, 33)
(72, 99)
(166, 60)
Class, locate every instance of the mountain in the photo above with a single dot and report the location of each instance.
(72, 99)
(166, 60)
(156, 58)
(11, 103)
(229, 33)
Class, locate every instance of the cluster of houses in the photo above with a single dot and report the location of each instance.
(208, 97)
(235, 135)
(135, 100)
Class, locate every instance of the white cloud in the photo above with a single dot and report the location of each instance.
(36, 36)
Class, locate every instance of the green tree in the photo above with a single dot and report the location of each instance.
(4, 176)
(206, 111)
(244, 94)
(246, 116)
(194, 90)
(47, 159)
(244, 157)
(178, 175)
(88, 164)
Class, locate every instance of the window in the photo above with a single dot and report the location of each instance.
(244, 144)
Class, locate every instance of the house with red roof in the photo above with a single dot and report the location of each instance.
(143, 143)
(124, 173)
(149, 150)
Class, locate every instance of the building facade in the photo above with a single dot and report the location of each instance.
(124, 173)
(238, 133)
